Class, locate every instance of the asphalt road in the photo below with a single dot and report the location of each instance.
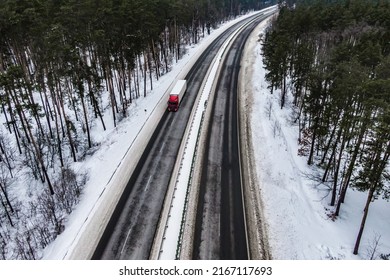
(220, 230)
(131, 229)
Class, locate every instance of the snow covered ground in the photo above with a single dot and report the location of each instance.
(295, 209)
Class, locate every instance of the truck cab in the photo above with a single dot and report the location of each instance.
(173, 102)
(176, 95)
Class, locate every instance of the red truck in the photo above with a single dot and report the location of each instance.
(176, 94)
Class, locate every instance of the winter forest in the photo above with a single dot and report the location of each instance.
(66, 67)
(71, 67)
(334, 58)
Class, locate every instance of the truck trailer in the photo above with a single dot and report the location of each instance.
(176, 95)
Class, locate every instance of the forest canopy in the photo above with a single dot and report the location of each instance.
(331, 59)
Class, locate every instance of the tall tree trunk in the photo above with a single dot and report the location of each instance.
(96, 107)
(13, 125)
(136, 83)
(313, 140)
(6, 117)
(164, 50)
(3, 151)
(6, 197)
(112, 95)
(81, 92)
(150, 68)
(330, 160)
(351, 166)
(145, 73)
(327, 147)
(284, 91)
(58, 97)
(69, 90)
(19, 110)
(363, 222)
(129, 79)
(47, 116)
(155, 59)
(336, 173)
(59, 142)
(68, 126)
(6, 211)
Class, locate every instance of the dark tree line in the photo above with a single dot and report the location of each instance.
(336, 56)
(67, 66)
